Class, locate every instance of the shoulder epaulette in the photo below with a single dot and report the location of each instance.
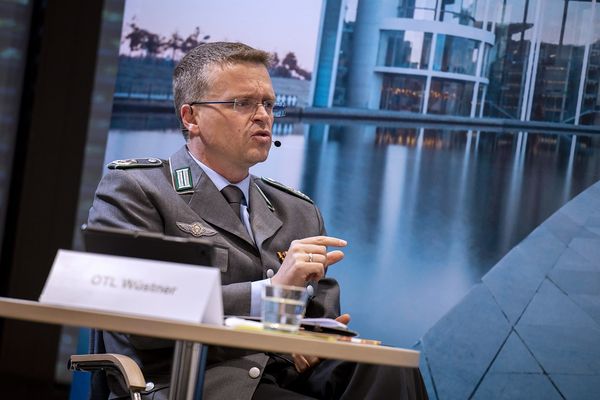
(135, 163)
(287, 189)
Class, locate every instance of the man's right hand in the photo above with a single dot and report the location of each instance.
(307, 260)
(304, 363)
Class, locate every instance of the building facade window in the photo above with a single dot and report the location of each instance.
(417, 9)
(456, 54)
(509, 58)
(486, 60)
(450, 97)
(461, 12)
(564, 31)
(590, 102)
(405, 49)
(480, 99)
(557, 83)
(402, 93)
(517, 59)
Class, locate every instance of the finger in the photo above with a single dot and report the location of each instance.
(314, 248)
(300, 362)
(312, 360)
(311, 258)
(344, 319)
(324, 241)
(303, 363)
(334, 256)
(319, 258)
(313, 271)
(309, 248)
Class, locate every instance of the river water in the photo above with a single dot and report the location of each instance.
(426, 212)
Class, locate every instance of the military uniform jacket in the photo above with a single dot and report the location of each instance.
(157, 199)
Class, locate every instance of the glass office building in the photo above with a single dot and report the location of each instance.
(531, 60)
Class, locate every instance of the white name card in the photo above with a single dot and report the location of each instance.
(158, 289)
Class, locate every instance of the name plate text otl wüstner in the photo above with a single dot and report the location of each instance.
(126, 285)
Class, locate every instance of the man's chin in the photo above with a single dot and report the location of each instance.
(257, 158)
(261, 155)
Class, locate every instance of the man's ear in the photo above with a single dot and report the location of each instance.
(186, 113)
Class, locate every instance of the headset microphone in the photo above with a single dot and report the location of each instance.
(276, 143)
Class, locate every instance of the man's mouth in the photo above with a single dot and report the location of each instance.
(266, 135)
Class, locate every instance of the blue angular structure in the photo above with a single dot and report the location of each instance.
(531, 329)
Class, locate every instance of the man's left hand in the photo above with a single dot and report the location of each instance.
(304, 363)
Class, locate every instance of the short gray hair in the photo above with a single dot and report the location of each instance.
(191, 75)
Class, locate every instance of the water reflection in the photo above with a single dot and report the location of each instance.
(426, 212)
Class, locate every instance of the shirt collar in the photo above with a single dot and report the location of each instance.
(220, 181)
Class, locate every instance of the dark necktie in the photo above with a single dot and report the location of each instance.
(234, 196)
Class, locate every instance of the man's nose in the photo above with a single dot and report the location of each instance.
(261, 112)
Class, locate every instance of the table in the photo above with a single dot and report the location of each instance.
(207, 334)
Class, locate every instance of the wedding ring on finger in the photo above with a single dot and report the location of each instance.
(309, 257)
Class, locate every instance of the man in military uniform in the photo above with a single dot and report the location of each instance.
(226, 104)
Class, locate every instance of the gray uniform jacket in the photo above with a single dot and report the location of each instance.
(147, 199)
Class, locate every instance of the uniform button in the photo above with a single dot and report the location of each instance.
(254, 372)
(149, 386)
(270, 273)
(310, 290)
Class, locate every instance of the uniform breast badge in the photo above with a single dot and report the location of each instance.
(196, 229)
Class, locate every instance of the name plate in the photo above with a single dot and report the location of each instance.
(158, 289)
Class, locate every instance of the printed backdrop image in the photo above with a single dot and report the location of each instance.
(426, 212)
(155, 36)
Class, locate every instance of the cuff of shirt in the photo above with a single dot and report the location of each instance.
(256, 296)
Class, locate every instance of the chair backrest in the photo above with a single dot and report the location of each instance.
(99, 386)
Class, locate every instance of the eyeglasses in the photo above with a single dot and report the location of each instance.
(249, 106)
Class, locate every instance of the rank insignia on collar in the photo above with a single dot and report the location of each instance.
(281, 255)
(196, 229)
(182, 179)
